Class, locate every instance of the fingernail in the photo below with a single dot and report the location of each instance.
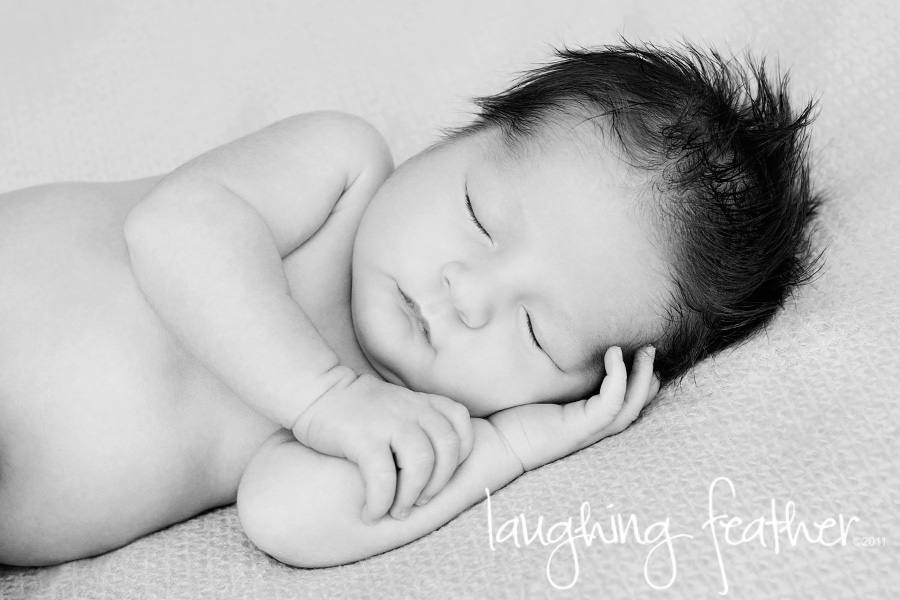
(422, 501)
(404, 513)
(651, 351)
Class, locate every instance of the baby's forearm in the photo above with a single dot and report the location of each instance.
(207, 263)
(304, 508)
(207, 245)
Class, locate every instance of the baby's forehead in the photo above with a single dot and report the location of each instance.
(585, 141)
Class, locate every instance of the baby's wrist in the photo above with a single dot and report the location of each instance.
(511, 454)
(334, 380)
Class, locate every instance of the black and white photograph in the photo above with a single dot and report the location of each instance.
(457, 299)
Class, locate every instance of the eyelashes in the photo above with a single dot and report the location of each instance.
(473, 218)
(531, 331)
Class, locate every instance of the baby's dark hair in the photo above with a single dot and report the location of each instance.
(725, 158)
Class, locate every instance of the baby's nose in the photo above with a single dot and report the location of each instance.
(470, 294)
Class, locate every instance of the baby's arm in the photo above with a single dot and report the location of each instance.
(206, 247)
(302, 507)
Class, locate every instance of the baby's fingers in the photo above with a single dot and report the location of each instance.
(458, 417)
(415, 459)
(639, 392)
(446, 444)
(621, 396)
(654, 388)
(380, 476)
(603, 408)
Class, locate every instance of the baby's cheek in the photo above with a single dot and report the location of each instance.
(560, 389)
(479, 390)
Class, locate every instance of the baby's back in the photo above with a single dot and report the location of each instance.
(109, 428)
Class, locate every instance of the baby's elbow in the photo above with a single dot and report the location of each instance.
(263, 529)
(299, 539)
(293, 506)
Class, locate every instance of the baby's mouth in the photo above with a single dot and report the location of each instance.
(414, 312)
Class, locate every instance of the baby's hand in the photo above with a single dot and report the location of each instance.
(541, 433)
(385, 428)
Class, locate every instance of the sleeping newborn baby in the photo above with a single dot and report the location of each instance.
(355, 353)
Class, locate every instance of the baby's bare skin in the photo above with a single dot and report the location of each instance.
(109, 428)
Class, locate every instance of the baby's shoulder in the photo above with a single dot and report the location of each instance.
(315, 137)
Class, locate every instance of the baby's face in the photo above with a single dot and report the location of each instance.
(440, 306)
